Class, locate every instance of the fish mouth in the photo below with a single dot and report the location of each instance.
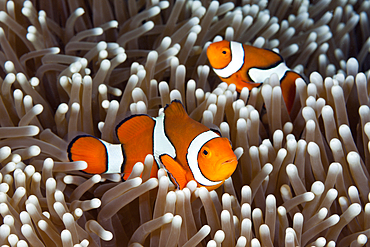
(229, 161)
(228, 167)
(223, 169)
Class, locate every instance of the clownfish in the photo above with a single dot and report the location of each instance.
(185, 148)
(249, 66)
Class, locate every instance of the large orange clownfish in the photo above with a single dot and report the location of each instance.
(185, 148)
(249, 66)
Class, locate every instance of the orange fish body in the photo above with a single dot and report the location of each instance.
(249, 66)
(185, 148)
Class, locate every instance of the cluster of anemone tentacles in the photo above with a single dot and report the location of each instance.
(82, 66)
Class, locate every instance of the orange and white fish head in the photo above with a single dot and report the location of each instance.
(217, 160)
(219, 54)
(228, 62)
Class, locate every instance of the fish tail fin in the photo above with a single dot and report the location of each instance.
(91, 150)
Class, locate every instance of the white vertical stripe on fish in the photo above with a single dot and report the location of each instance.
(114, 157)
(161, 143)
(192, 157)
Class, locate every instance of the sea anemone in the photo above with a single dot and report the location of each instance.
(70, 67)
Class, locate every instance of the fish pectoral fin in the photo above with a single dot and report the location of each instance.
(175, 170)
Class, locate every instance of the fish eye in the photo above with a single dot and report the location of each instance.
(225, 51)
(205, 152)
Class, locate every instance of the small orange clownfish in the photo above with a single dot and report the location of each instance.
(185, 148)
(249, 66)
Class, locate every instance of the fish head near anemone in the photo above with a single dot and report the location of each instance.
(231, 61)
(219, 54)
(217, 160)
(201, 154)
(249, 66)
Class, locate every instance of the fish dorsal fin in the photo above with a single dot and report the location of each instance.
(132, 127)
(175, 109)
